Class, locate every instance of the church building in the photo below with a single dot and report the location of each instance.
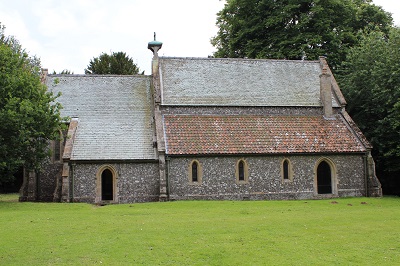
(205, 129)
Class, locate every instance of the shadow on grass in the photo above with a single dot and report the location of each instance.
(12, 197)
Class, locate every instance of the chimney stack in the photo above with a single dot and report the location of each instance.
(326, 92)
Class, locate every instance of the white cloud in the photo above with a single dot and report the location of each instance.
(391, 6)
(67, 34)
(55, 21)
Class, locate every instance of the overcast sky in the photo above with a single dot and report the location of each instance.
(67, 34)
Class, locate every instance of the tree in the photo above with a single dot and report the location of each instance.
(64, 72)
(370, 81)
(115, 63)
(29, 115)
(294, 29)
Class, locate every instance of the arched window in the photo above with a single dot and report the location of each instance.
(286, 170)
(242, 172)
(195, 173)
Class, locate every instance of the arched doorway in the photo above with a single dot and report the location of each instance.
(324, 178)
(107, 185)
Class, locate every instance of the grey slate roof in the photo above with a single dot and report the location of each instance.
(114, 112)
(240, 82)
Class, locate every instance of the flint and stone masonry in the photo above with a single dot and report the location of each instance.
(265, 181)
(205, 129)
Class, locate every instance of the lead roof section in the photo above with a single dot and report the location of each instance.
(114, 112)
(240, 82)
(249, 134)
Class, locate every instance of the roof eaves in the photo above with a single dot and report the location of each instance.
(355, 130)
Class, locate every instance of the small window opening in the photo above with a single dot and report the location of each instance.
(241, 171)
(195, 175)
(285, 169)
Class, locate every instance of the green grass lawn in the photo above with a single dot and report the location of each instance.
(351, 231)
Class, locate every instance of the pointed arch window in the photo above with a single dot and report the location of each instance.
(286, 170)
(242, 172)
(195, 172)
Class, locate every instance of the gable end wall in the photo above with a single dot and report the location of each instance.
(136, 182)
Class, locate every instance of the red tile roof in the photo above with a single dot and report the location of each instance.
(192, 134)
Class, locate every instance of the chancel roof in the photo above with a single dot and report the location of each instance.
(251, 134)
(114, 114)
(240, 82)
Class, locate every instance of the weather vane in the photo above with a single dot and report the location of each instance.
(154, 36)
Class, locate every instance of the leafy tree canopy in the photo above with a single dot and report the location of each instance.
(371, 81)
(29, 117)
(115, 63)
(295, 29)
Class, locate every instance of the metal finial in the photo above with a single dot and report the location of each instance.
(154, 46)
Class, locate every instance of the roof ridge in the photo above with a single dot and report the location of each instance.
(239, 59)
(96, 75)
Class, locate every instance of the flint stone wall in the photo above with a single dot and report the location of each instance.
(136, 182)
(265, 180)
(47, 181)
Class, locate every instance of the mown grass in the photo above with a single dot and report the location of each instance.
(351, 231)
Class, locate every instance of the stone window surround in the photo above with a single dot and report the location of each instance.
(331, 164)
(199, 173)
(98, 183)
(334, 178)
(290, 173)
(246, 172)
